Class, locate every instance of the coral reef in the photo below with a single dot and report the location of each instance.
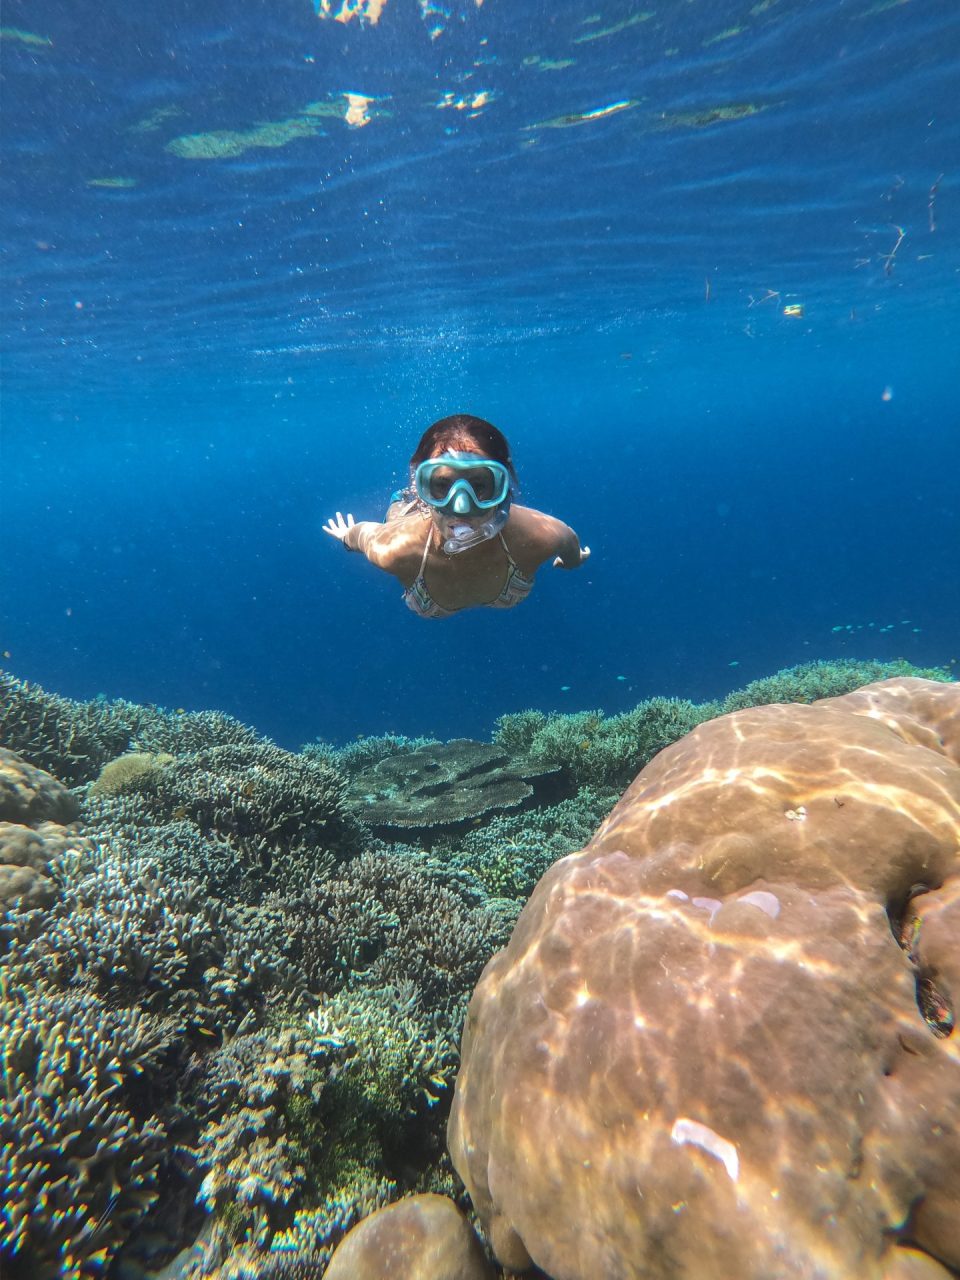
(362, 753)
(720, 1041)
(30, 795)
(383, 919)
(510, 853)
(422, 1237)
(447, 785)
(74, 740)
(34, 807)
(126, 935)
(607, 752)
(280, 812)
(230, 1011)
(121, 774)
(78, 1166)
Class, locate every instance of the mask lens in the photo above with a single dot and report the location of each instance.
(441, 478)
(484, 483)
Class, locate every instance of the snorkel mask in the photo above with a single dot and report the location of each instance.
(461, 484)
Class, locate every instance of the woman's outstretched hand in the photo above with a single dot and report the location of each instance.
(337, 527)
(584, 555)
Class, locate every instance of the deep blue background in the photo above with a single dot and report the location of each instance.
(202, 365)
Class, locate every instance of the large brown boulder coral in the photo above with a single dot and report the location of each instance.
(720, 1042)
(423, 1237)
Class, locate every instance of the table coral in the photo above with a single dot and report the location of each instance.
(448, 784)
(720, 1042)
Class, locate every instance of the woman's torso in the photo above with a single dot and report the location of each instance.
(497, 574)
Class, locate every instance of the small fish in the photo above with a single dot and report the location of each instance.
(565, 688)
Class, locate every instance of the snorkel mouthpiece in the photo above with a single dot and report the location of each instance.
(461, 537)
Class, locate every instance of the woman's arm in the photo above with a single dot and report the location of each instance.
(369, 537)
(570, 554)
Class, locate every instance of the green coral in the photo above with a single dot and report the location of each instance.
(510, 854)
(813, 680)
(362, 753)
(599, 751)
(608, 752)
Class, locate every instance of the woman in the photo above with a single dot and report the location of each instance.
(454, 538)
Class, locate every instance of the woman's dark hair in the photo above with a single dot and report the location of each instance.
(463, 432)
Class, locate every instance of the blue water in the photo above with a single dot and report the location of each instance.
(207, 356)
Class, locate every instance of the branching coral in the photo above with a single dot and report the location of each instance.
(601, 751)
(813, 680)
(78, 1168)
(509, 854)
(163, 945)
(363, 753)
(279, 811)
(74, 740)
(385, 919)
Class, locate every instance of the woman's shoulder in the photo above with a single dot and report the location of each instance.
(398, 544)
(534, 537)
(536, 528)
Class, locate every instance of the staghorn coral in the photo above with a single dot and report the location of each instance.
(74, 740)
(603, 752)
(283, 814)
(162, 945)
(303, 1250)
(251, 1164)
(176, 847)
(78, 1167)
(299, 1115)
(509, 854)
(720, 1041)
(813, 680)
(607, 752)
(386, 918)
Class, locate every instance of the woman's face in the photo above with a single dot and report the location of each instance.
(460, 495)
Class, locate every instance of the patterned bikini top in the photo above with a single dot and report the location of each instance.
(516, 587)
